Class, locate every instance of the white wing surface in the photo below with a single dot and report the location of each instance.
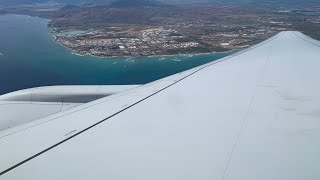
(253, 115)
(27, 105)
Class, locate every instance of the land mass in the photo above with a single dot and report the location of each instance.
(147, 27)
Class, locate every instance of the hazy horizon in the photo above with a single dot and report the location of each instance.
(18, 2)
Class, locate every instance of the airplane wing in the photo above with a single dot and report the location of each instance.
(252, 115)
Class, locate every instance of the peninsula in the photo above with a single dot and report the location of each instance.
(147, 27)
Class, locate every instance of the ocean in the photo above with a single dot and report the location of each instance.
(30, 58)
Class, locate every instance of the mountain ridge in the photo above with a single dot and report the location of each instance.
(79, 2)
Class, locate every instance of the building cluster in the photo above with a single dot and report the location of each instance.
(181, 35)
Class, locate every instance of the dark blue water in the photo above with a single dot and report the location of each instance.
(31, 58)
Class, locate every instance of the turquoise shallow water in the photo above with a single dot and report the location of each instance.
(31, 58)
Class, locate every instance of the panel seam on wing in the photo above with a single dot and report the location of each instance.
(245, 118)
